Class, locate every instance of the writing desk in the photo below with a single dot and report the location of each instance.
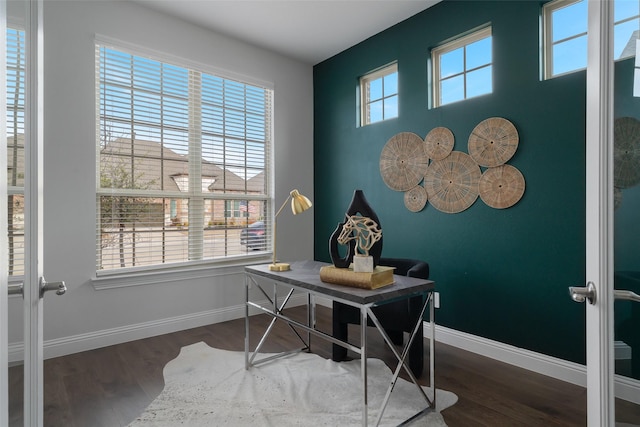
(304, 276)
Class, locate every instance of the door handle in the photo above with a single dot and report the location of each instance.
(16, 289)
(45, 286)
(582, 294)
(626, 295)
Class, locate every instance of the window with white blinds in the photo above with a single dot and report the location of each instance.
(15, 60)
(182, 163)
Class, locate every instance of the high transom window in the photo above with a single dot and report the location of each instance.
(182, 163)
(379, 95)
(462, 68)
(565, 34)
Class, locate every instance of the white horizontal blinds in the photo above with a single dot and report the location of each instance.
(15, 61)
(176, 147)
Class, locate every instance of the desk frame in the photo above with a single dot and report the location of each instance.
(309, 282)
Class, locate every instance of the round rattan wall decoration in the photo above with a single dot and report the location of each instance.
(626, 152)
(403, 161)
(415, 199)
(439, 143)
(493, 142)
(452, 183)
(501, 187)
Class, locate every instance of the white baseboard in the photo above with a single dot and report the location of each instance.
(574, 373)
(84, 342)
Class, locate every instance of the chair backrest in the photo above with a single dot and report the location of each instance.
(407, 267)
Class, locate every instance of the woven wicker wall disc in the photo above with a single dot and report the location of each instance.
(501, 187)
(403, 161)
(439, 143)
(415, 199)
(626, 152)
(493, 142)
(452, 183)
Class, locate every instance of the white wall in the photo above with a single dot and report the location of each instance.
(86, 317)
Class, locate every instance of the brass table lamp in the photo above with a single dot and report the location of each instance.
(299, 204)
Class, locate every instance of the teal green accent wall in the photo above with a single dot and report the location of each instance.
(501, 274)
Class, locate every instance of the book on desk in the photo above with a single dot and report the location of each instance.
(381, 276)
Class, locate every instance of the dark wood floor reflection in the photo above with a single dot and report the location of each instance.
(112, 385)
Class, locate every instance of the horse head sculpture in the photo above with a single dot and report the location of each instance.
(363, 230)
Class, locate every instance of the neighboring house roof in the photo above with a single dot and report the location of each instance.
(256, 184)
(159, 167)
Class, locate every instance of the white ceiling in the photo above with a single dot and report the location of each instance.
(307, 30)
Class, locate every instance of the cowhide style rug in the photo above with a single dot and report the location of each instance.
(206, 386)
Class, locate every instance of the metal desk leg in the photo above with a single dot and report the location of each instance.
(311, 318)
(246, 322)
(363, 364)
(432, 353)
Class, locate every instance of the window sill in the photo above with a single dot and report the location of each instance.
(163, 275)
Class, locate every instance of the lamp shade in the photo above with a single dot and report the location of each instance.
(299, 203)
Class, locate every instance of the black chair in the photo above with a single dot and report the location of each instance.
(395, 317)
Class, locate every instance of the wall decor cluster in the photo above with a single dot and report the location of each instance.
(626, 156)
(453, 180)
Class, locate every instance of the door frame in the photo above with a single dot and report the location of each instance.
(33, 197)
(4, 258)
(599, 214)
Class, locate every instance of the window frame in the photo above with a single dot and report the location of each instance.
(104, 277)
(449, 46)
(623, 21)
(365, 101)
(547, 36)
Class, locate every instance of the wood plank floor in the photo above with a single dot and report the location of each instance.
(112, 385)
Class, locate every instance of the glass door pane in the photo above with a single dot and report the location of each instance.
(13, 228)
(626, 193)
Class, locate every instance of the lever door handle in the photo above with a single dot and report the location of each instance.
(626, 295)
(45, 286)
(582, 294)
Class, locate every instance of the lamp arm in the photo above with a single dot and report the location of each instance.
(275, 223)
(282, 207)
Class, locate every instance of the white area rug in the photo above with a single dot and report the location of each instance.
(205, 386)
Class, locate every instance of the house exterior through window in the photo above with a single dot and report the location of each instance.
(15, 70)
(180, 152)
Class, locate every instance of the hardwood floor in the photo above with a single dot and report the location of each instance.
(112, 385)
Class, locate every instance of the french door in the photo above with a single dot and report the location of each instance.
(599, 293)
(4, 259)
(29, 15)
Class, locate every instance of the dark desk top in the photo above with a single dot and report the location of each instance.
(306, 275)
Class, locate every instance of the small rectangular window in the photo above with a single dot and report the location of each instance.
(462, 68)
(626, 28)
(565, 36)
(379, 95)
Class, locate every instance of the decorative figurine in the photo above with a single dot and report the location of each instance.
(359, 205)
(365, 232)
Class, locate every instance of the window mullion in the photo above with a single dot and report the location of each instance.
(196, 201)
